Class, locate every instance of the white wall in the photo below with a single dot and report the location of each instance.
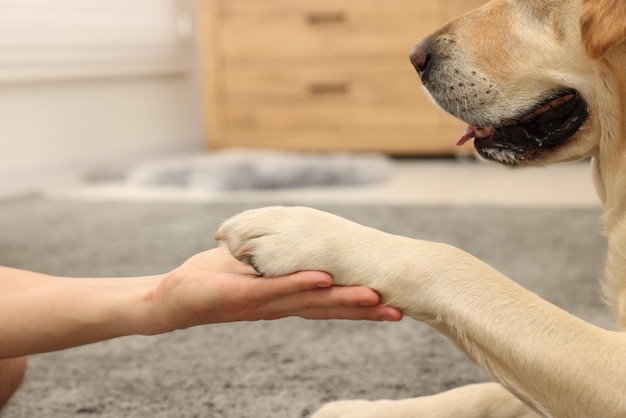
(57, 124)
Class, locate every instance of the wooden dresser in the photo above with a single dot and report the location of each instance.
(322, 75)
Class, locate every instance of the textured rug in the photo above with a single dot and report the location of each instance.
(284, 368)
(239, 169)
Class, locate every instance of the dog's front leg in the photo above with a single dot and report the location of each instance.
(558, 364)
(486, 400)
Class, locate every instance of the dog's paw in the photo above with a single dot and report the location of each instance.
(282, 240)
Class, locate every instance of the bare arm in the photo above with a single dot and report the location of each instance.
(44, 313)
(40, 313)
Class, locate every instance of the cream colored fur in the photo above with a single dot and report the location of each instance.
(545, 361)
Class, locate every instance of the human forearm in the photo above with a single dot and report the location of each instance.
(40, 313)
(43, 313)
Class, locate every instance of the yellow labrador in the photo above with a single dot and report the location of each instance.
(538, 82)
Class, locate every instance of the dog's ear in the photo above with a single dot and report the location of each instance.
(603, 25)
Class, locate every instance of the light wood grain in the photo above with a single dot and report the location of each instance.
(429, 141)
(208, 27)
(322, 75)
(365, 96)
(304, 29)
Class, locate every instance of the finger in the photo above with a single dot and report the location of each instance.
(322, 299)
(271, 289)
(369, 313)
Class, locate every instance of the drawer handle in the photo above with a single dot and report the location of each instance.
(329, 88)
(325, 18)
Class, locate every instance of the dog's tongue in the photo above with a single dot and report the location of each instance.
(475, 132)
(469, 133)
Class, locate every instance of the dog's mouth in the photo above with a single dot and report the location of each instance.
(549, 124)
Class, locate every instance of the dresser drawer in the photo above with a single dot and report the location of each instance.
(367, 96)
(311, 29)
(322, 75)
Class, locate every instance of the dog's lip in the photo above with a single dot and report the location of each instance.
(569, 100)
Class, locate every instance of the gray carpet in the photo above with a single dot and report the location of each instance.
(283, 368)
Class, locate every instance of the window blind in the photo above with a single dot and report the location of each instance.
(60, 39)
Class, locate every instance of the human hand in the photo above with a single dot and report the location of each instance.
(214, 287)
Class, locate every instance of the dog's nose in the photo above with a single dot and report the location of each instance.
(421, 57)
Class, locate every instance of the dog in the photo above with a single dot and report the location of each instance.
(537, 82)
